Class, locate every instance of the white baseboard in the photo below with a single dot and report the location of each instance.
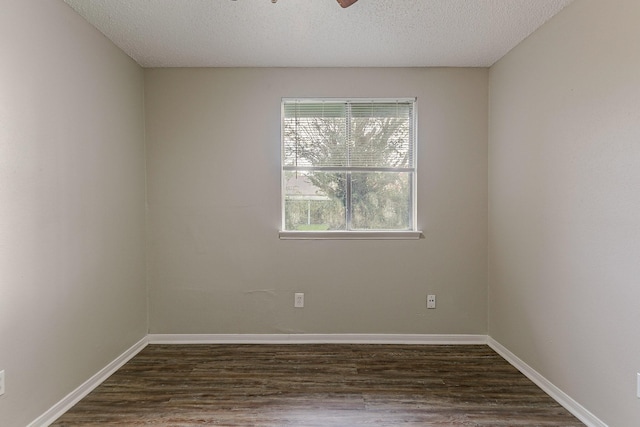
(315, 339)
(579, 411)
(88, 386)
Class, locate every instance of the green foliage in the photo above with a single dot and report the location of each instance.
(314, 215)
(381, 201)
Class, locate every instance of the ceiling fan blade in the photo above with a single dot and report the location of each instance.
(346, 3)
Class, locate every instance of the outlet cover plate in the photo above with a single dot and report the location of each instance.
(431, 301)
(1, 382)
(298, 301)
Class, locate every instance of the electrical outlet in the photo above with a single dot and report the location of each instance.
(298, 301)
(431, 301)
(638, 385)
(1, 382)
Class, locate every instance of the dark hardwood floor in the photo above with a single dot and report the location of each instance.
(318, 385)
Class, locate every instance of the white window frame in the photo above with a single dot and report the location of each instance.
(411, 234)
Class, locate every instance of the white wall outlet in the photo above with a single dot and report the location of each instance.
(298, 301)
(431, 301)
(1, 382)
(638, 385)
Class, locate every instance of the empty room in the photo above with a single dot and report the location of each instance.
(320, 212)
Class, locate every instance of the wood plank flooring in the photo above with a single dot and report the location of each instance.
(317, 385)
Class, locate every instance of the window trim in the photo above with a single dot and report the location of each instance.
(412, 234)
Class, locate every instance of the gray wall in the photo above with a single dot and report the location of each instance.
(564, 185)
(72, 285)
(216, 264)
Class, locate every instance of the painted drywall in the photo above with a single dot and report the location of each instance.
(564, 205)
(215, 262)
(72, 281)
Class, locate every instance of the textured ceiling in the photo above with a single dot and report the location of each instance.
(316, 33)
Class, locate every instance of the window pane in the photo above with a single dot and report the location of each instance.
(380, 135)
(314, 135)
(315, 201)
(381, 201)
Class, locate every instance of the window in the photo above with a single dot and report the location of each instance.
(348, 166)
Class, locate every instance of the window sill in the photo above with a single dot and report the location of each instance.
(350, 235)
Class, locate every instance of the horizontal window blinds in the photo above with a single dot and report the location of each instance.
(348, 135)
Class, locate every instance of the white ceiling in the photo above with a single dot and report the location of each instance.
(317, 33)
